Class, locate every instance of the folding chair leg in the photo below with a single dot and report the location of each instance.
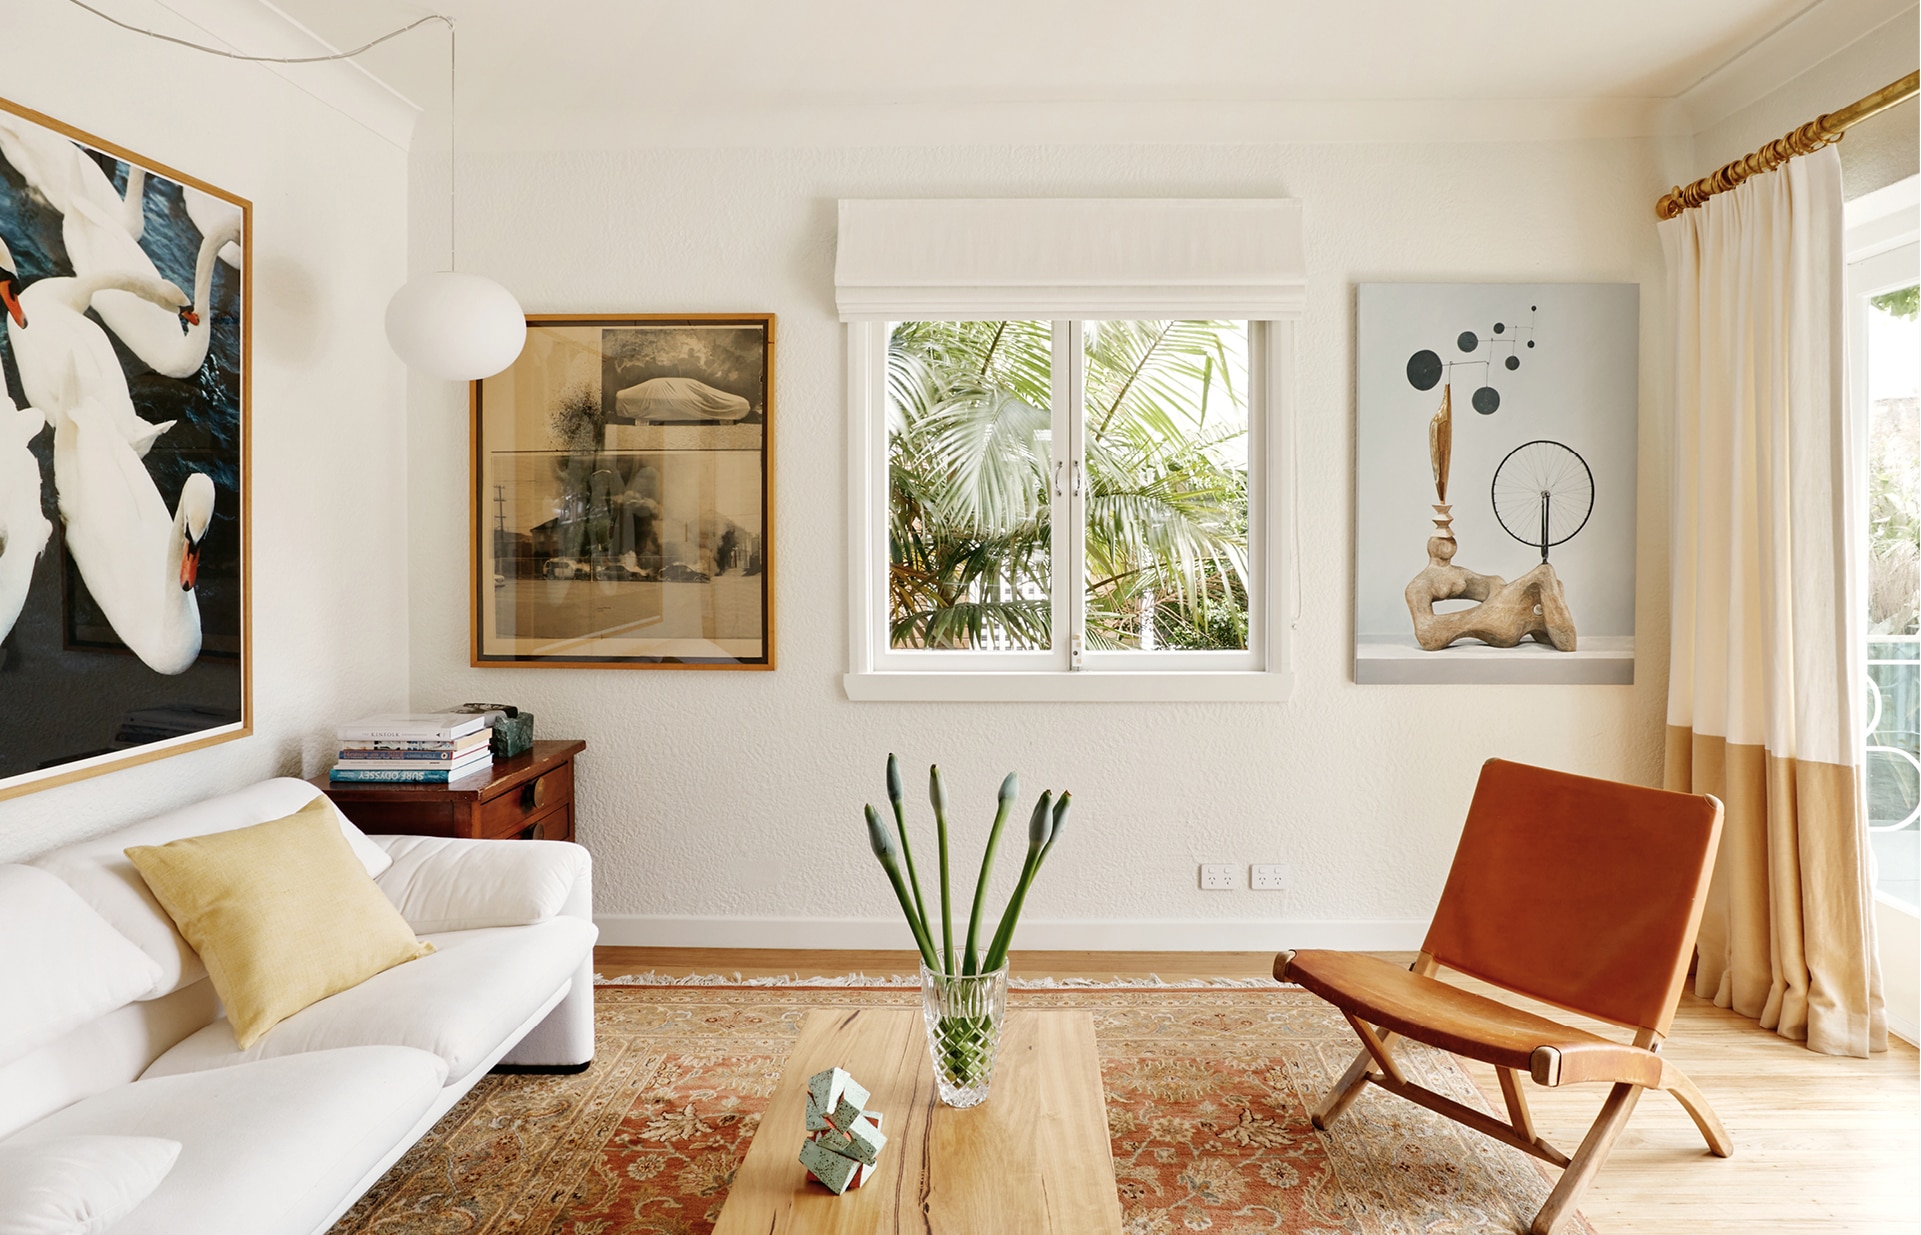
(1517, 1112)
(1676, 1082)
(1344, 1092)
(1587, 1160)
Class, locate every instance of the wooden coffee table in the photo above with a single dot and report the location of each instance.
(1034, 1159)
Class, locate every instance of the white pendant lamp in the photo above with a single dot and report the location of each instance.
(446, 324)
(454, 326)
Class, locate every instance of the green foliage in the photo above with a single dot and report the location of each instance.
(1903, 302)
(971, 479)
(1894, 526)
(1894, 497)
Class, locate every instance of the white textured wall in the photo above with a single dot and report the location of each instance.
(737, 795)
(328, 410)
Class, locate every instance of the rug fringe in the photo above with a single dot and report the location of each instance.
(912, 981)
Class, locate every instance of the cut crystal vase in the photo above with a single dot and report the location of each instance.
(964, 1016)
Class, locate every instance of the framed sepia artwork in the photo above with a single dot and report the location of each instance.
(623, 491)
(124, 572)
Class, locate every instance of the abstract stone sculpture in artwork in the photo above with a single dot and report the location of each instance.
(1532, 606)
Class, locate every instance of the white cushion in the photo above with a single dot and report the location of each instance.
(61, 965)
(442, 883)
(112, 1050)
(79, 1185)
(460, 1003)
(270, 1148)
(99, 871)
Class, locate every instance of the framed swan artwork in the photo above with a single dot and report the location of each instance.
(623, 491)
(124, 631)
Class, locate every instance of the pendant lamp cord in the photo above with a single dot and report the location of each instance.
(453, 119)
(452, 78)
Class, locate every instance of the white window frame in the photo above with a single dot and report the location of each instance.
(1261, 673)
(1879, 227)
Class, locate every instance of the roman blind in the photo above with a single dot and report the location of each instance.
(1145, 258)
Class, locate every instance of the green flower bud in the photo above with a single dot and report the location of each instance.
(879, 837)
(1041, 826)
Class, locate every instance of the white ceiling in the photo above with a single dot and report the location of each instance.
(642, 72)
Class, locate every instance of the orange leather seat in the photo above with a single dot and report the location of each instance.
(1584, 894)
(1432, 1011)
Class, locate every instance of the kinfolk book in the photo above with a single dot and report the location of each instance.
(411, 727)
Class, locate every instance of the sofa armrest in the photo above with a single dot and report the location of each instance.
(444, 883)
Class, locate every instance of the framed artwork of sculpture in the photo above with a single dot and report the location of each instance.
(125, 301)
(623, 492)
(1495, 486)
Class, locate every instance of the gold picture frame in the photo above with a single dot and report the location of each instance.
(130, 680)
(622, 495)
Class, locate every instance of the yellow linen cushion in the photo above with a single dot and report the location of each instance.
(282, 913)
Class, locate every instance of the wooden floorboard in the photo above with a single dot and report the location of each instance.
(1820, 1144)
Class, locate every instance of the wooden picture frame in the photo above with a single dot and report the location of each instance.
(107, 658)
(622, 495)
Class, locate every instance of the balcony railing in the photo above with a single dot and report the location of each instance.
(1894, 764)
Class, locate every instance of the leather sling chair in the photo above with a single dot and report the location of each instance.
(1581, 893)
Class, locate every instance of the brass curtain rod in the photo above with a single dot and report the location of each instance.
(1810, 137)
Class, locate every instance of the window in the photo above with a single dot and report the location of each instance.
(1150, 490)
(1078, 497)
(1884, 339)
(1068, 431)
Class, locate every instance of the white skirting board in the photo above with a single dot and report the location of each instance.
(634, 930)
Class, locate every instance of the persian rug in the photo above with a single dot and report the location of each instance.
(1208, 1093)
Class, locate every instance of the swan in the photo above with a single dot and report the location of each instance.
(23, 528)
(139, 563)
(210, 214)
(48, 326)
(97, 244)
(61, 173)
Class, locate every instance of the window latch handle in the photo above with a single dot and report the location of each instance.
(1074, 477)
(1058, 464)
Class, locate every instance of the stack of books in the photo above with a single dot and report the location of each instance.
(429, 748)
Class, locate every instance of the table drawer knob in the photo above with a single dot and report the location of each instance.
(532, 794)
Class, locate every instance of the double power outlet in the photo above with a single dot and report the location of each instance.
(1261, 876)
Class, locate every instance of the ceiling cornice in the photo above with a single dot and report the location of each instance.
(1791, 49)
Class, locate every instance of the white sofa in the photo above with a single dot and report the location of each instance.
(280, 1139)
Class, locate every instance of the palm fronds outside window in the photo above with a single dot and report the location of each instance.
(974, 468)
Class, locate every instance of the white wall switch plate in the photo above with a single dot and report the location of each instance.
(1217, 876)
(1270, 876)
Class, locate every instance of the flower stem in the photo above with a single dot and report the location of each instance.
(894, 795)
(970, 958)
(937, 791)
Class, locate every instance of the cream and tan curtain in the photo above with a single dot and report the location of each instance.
(1767, 661)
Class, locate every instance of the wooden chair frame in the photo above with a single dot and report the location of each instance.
(1375, 1065)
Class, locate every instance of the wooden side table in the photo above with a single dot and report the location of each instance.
(529, 797)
